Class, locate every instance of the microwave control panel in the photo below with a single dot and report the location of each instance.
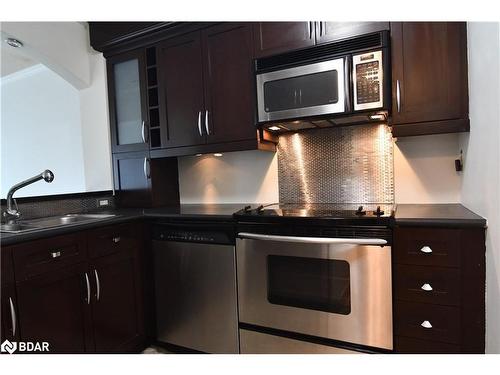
(368, 80)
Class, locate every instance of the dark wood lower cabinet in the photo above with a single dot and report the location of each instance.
(9, 325)
(439, 290)
(53, 307)
(117, 317)
(92, 304)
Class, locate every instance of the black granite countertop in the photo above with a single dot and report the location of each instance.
(197, 211)
(437, 215)
(405, 214)
(219, 212)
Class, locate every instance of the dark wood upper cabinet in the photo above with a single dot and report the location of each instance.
(207, 94)
(229, 83)
(128, 110)
(272, 38)
(429, 78)
(54, 307)
(332, 31)
(182, 96)
(141, 181)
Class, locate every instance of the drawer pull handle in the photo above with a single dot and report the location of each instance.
(426, 250)
(116, 239)
(55, 254)
(426, 287)
(426, 324)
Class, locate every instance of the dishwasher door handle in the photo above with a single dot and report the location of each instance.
(313, 240)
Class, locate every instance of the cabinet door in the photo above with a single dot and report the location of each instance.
(55, 307)
(127, 101)
(9, 321)
(229, 83)
(272, 38)
(132, 178)
(331, 31)
(117, 302)
(429, 72)
(181, 99)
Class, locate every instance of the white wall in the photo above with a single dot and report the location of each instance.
(40, 129)
(481, 181)
(236, 177)
(95, 129)
(424, 169)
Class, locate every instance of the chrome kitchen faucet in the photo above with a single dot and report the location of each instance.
(11, 214)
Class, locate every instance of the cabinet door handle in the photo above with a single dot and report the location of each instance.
(206, 122)
(426, 324)
(199, 124)
(398, 96)
(13, 317)
(98, 285)
(147, 168)
(88, 287)
(144, 132)
(426, 287)
(426, 250)
(55, 254)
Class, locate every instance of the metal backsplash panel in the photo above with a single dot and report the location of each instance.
(337, 165)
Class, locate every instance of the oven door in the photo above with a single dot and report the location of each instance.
(308, 90)
(334, 288)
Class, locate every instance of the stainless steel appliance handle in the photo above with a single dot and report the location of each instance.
(13, 317)
(398, 96)
(310, 29)
(147, 168)
(98, 285)
(199, 124)
(313, 240)
(88, 287)
(206, 122)
(144, 133)
(321, 28)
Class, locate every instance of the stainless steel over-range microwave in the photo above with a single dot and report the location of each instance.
(343, 78)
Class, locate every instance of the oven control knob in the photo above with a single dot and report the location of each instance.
(360, 211)
(378, 211)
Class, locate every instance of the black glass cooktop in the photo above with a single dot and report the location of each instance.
(319, 210)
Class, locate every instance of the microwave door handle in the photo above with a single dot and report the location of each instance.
(313, 240)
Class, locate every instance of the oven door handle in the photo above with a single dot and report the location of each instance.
(313, 240)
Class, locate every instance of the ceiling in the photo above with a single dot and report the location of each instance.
(12, 60)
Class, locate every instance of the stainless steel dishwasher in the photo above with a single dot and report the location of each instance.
(195, 285)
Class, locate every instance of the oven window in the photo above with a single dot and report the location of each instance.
(309, 283)
(302, 91)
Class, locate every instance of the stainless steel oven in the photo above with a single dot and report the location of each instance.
(344, 79)
(332, 288)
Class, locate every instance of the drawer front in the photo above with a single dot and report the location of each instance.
(113, 239)
(427, 246)
(427, 322)
(437, 285)
(37, 257)
(409, 345)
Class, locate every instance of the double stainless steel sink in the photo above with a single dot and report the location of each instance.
(22, 226)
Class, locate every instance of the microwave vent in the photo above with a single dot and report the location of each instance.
(368, 41)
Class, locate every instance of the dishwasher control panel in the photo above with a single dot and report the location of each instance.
(163, 232)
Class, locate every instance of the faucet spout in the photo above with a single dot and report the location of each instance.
(13, 213)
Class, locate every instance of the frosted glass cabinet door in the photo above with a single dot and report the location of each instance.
(128, 120)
